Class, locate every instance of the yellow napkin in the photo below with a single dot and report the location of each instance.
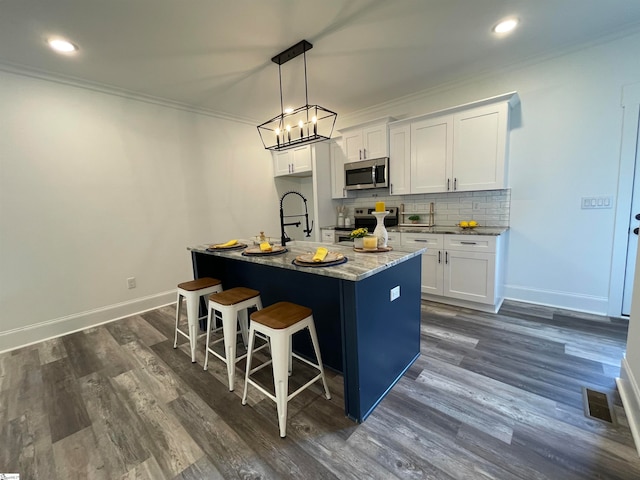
(265, 247)
(320, 254)
(230, 243)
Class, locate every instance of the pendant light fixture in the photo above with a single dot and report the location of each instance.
(300, 126)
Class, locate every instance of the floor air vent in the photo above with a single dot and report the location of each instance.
(597, 405)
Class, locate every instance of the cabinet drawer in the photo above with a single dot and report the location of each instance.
(470, 243)
(429, 240)
(328, 236)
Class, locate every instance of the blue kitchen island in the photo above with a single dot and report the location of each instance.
(363, 334)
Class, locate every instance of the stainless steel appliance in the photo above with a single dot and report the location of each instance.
(364, 218)
(366, 174)
(342, 234)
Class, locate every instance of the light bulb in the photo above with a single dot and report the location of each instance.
(61, 45)
(506, 26)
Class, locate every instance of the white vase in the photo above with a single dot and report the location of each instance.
(358, 242)
(380, 230)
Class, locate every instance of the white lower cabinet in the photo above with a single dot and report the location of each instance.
(460, 269)
(327, 235)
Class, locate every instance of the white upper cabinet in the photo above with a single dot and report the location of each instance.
(459, 151)
(431, 154)
(399, 159)
(295, 161)
(366, 142)
(479, 148)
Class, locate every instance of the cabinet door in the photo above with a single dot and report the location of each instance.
(431, 154)
(479, 150)
(301, 159)
(470, 276)
(375, 142)
(281, 163)
(352, 144)
(432, 260)
(400, 160)
(338, 160)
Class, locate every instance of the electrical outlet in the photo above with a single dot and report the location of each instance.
(131, 282)
(395, 293)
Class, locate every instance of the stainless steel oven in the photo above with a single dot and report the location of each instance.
(342, 234)
(364, 218)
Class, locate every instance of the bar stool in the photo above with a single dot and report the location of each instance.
(279, 322)
(232, 306)
(191, 292)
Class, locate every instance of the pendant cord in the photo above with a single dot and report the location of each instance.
(281, 102)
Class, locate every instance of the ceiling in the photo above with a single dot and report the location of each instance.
(215, 55)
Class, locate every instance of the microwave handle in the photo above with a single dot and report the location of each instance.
(373, 175)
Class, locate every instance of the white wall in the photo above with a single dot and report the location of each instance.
(565, 144)
(95, 188)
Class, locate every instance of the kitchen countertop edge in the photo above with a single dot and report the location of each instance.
(358, 266)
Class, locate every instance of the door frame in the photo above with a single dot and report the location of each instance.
(629, 140)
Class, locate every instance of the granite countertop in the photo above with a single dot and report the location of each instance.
(449, 230)
(358, 266)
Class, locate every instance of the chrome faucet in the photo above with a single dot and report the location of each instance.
(284, 238)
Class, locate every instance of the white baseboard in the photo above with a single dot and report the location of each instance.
(20, 337)
(482, 307)
(630, 395)
(558, 299)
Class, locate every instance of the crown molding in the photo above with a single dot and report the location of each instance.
(26, 71)
(395, 104)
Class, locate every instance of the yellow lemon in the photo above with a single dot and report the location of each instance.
(473, 223)
(464, 224)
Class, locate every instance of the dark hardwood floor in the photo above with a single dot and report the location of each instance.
(491, 397)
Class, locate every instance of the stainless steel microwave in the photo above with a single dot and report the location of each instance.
(366, 174)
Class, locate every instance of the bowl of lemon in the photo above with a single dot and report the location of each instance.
(468, 224)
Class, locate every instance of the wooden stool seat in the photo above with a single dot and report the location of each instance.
(278, 322)
(230, 306)
(192, 291)
(233, 296)
(199, 284)
(281, 315)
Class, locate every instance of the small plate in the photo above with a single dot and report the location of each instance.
(308, 258)
(218, 246)
(275, 250)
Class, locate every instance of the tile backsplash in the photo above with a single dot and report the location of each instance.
(489, 208)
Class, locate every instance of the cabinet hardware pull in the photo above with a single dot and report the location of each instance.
(448, 181)
(360, 154)
(364, 150)
(446, 258)
(422, 240)
(391, 189)
(439, 256)
(469, 243)
(637, 216)
(635, 230)
(455, 184)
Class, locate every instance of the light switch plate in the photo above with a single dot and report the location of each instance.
(601, 201)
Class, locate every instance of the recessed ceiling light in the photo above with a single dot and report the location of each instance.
(62, 45)
(505, 26)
